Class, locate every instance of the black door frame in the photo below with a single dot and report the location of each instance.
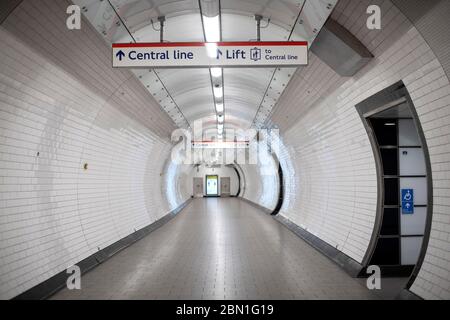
(365, 109)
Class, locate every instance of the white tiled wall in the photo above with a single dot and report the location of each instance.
(59, 97)
(261, 179)
(333, 188)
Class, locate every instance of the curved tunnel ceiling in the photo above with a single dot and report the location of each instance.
(186, 94)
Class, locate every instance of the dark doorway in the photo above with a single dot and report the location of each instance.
(404, 181)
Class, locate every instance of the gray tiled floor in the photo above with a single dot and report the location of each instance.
(219, 249)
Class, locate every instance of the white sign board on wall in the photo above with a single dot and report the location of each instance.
(199, 54)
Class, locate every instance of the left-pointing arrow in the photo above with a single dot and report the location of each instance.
(120, 55)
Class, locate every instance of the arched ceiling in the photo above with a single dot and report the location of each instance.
(186, 94)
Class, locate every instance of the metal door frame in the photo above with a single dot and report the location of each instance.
(229, 186)
(194, 186)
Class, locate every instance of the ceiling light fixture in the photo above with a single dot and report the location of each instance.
(212, 28)
(216, 72)
(218, 92)
(211, 49)
(219, 107)
(220, 118)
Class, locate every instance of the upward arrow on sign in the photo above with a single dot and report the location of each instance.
(219, 54)
(120, 55)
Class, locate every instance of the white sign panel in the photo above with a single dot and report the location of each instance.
(220, 145)
(199, 54)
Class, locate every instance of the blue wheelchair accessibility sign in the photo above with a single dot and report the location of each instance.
(407, 201)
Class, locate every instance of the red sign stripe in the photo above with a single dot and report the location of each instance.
(202, 44)
(211, 141)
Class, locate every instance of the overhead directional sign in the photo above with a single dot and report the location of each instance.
(199, 54)
(220, 144)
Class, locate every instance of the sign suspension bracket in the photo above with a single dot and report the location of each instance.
(162, 20)
(258, 19)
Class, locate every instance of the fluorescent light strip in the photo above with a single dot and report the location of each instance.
(211, 49)
(219, 107)
(218, 92)
(212, 35)
(212, 28)
(216, 72)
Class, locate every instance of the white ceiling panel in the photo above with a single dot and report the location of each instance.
(191, 89)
